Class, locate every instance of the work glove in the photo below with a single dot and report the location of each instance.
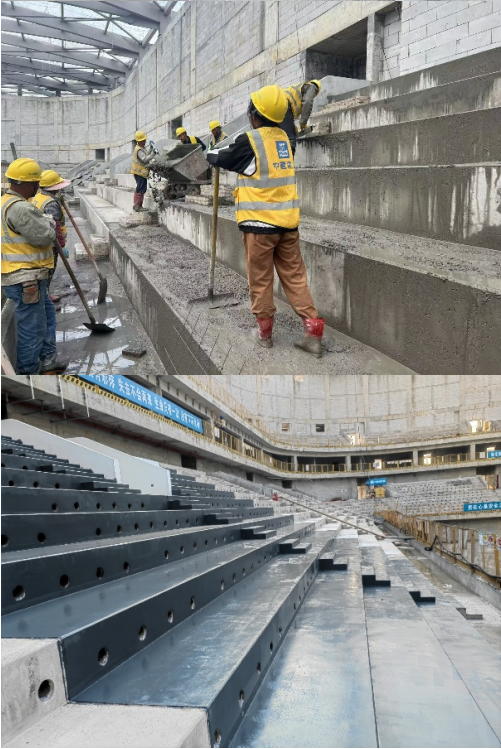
(308, 99)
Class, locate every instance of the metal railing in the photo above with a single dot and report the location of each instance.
(217, 436)
(475, 550)
(223, 397)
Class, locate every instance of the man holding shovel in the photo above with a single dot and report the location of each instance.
(28, 237)
(267, 212)
(47, 200)
(140, 170)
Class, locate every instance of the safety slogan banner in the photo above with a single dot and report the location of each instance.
(376, 482)
(480, 506)
(131, 391)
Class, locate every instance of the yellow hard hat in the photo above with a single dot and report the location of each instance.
(51, 180)
(180, 131)
(317, 84)
(214, 124)
(139, 136)
(271, 102)
(24, 170)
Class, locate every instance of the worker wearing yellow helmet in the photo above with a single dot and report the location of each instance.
(300, 98)
(218, 134)
(141, 157)
(48, 200)
(182, 135)
(267, 212)
(27, 240)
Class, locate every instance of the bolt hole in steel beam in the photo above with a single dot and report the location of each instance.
(170, 616)
(136, 526)
(98, 531)
(126, 566)
(129, 506)
(19, 592)
(142, 633)
(206, 542)
(11, 483)
(98, 506)
(5, 540)
(182, 549)
(119, 528)
(54, 507)
(142, 505)
(194, 544)
(165, 523)
(166, 554)
(99, 572)
(77, 505)
(46, 690)
(57, 486)
(64, 581)
(234, 577)
(258, 668)
(103, 657)
(41, 538)
(192, 603)
(217, 738)
(35, 484)
(114, 506)
(222, 584)
(241, 698)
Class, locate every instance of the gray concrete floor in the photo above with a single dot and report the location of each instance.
(489, 626)
(93, 353)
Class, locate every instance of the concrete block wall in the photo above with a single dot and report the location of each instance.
(215, 53)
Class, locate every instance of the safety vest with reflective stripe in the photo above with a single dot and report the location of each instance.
(293, 94)
(270, 194)
(137, 167)
(41, 200)
(17, 253)
(193, 140)
(213, 142)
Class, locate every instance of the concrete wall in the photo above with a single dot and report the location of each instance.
(377, 405)
(215, 53)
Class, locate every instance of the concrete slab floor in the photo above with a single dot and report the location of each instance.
(489, 626)
(93, 353)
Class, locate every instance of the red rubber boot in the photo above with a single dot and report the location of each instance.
(262, 334)
(312, 341)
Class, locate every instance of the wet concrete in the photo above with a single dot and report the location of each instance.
(489, 626)
(94, 353)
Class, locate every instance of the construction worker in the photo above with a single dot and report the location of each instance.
(218, 134)
(47, 200)
(140, 160)
(183, 136)
(300, 99)
(267, 212)
(27, 257)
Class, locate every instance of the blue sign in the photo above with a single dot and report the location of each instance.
(494, 454)
(376, 482)
(131, 391)
(283, 149)
(482, 506)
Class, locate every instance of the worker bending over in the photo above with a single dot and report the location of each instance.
(27, 257)
(183, 136)
(300, 98)
(48, 200)
(267, 212)
(140, 160)
(218, 134)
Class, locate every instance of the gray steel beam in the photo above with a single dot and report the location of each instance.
(69, 30)
(16, 45)
(138, 10)
(28, 87)
(44, 68)
(123, 15)
(24, 79)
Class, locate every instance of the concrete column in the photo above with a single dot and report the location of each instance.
(294, 462)
(415, 458)
(348, 462)
(472, 451)
(375, 31)
(193, 49)
(269, 39)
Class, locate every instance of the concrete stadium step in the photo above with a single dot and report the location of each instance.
(229, 352)
(20, 499)
(25, 464)
(236, 636)
(425, 142)
(467, 95)
(331, 561)
(159, 599)
(460, 69)
(46, 480)
(42, 573)
(415, 199)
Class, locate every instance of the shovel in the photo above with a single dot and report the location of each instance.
(103, 283)
(215, 300)
(95, 327)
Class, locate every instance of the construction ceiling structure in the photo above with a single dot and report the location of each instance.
(78, 46)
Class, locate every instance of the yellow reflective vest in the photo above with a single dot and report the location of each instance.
(294, 96)
(213, 142)
(17, 253)
(41, 200)
(137, 167)
(270, 194)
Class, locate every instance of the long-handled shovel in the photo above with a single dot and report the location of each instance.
(215, 300)
(95, 327)
(103, 283)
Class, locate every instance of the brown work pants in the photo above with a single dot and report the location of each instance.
(282, 251)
